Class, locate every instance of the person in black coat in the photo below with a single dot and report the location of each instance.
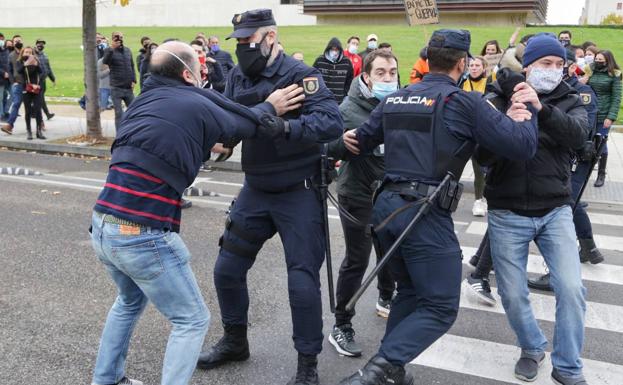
(28, 66)
(336, 69)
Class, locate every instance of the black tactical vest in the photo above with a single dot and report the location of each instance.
(418, 146)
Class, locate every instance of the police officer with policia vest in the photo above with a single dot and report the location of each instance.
(278, 196)
(430, 129)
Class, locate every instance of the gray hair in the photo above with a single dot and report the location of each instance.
(265, 48)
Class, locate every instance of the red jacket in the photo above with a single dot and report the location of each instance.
(356, 60)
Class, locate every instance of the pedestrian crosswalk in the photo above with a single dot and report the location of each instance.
(468, 351)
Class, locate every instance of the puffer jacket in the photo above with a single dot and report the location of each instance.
(607, 87)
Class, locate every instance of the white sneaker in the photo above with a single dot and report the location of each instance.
(480, 208)
(127, 381)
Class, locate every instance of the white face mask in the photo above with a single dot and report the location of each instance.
(589, 59)
(544, 80)
(198, 82)
(580, 62)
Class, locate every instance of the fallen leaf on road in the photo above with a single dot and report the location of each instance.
(38, 213)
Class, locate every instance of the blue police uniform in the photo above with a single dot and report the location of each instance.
(428, 129)
(583, 228)
(277, 196)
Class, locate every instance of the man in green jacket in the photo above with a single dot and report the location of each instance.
(355, 187)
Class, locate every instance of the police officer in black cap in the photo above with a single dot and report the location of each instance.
(429, 129)
(278, 195)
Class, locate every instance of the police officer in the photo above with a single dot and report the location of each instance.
(583, 227)
(277, 196)
(428, 129)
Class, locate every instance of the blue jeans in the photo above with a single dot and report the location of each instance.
(554, 234)
(104, 96)
(604, 132)
(150, 266)
(16, 101)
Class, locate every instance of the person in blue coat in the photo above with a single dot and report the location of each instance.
(429, 129)
(583, 227)
(156, 155)
(278, 195)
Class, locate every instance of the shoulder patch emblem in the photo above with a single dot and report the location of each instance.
(310, 85)
(586, 98)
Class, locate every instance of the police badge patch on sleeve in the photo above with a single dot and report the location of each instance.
(310, 85)
(586, 98)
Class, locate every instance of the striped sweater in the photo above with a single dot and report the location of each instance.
(137, 196)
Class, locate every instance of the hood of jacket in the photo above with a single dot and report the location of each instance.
(334, 42)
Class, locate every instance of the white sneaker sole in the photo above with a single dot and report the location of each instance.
(381, 311)
(339, 349)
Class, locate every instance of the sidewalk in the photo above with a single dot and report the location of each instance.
(70, 121)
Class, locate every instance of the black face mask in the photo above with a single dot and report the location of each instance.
(40, 47)
(250, 59)
(18, 45)
(600, 66)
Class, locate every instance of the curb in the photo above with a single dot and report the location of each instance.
(49, 148)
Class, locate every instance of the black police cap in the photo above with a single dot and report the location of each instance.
(451, 38)
(245, 24)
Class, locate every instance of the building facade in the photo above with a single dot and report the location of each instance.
(451, 12)
(147, 13)
(595, 10)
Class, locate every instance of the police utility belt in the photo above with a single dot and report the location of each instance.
(413, 191)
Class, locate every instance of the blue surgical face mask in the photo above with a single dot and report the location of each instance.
(1, 43)
(333, 55)
(352, 49)
(381, 89)
(215, 48)
(372, 44)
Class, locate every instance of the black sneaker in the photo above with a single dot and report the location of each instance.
(541, 283)
(559, 379)
(186, 204)
(51, 115)
(306, 371)
(481, 288)
(383, 306)
(343, 339)
(527, 367)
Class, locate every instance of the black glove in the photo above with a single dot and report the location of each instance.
(588, 152)
(507, 80)
(273, 127)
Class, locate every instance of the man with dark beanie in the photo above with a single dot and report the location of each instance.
(530, 201)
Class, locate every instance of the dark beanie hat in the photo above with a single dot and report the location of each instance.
(541, 45)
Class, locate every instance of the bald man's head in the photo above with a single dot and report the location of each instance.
(176, 60)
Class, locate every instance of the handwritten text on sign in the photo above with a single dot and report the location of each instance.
(422, 11)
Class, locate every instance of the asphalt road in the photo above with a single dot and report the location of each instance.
(54, 294)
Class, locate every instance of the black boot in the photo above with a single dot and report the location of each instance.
(29, 131)
(40, 133)
(601, 171)
(541, 283)
(306, 371)
(379, 371)
(234, 346)
(590, 252)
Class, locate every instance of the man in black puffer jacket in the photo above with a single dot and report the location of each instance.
(336, 69)
(530, 201)
(122, 74)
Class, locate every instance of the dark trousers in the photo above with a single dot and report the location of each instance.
(427, 269)
(485, 262)
(353, 268)
(118, 95)
(44, 105)
(297, 217)
(32, 107)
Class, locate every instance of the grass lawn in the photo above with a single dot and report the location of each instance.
(63, 44)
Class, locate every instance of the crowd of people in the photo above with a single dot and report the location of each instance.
(24, 70)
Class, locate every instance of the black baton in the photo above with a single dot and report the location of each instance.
(424, 209)
(324, 188)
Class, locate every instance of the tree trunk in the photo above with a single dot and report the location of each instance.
(89, 26)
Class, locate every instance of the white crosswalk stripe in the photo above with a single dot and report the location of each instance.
(489, 359)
